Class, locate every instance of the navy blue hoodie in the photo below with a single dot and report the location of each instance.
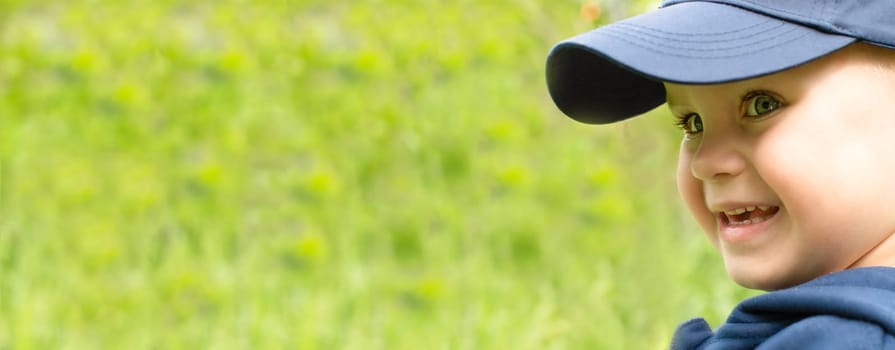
(851, 309)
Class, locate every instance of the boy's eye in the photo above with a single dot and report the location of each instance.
(759, 104)
(691, 124)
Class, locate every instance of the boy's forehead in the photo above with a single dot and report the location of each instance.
(684, 94)
(844, 69)
(798, 76)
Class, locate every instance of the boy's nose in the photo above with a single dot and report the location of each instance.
(717, 157)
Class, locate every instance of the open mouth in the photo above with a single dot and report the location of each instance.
(747, 215)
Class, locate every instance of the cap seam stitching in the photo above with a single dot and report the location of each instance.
(744, 35)
(689, 34)
(648, 40)
(717, 57)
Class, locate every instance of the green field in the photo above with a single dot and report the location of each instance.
(328, 175)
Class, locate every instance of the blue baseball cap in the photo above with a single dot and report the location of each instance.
(616, 71)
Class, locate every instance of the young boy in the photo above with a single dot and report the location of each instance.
(788, 114)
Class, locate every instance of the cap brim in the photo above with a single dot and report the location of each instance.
(616, 72)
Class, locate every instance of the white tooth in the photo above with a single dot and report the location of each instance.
(740, 210)
(750, 208)
(744, 222)
(763, 208)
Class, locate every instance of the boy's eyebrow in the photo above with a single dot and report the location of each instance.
(669, 100)
(677, 107)
(669, 97)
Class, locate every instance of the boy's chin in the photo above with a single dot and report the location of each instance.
(752, 283)
(764, 279)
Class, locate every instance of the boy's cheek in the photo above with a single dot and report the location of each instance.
(683, 177)
(691, 192)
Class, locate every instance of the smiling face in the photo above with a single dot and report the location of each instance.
(792, 175)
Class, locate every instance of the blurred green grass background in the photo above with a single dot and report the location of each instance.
(328, 175)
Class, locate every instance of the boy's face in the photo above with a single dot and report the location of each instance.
(808, 153)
